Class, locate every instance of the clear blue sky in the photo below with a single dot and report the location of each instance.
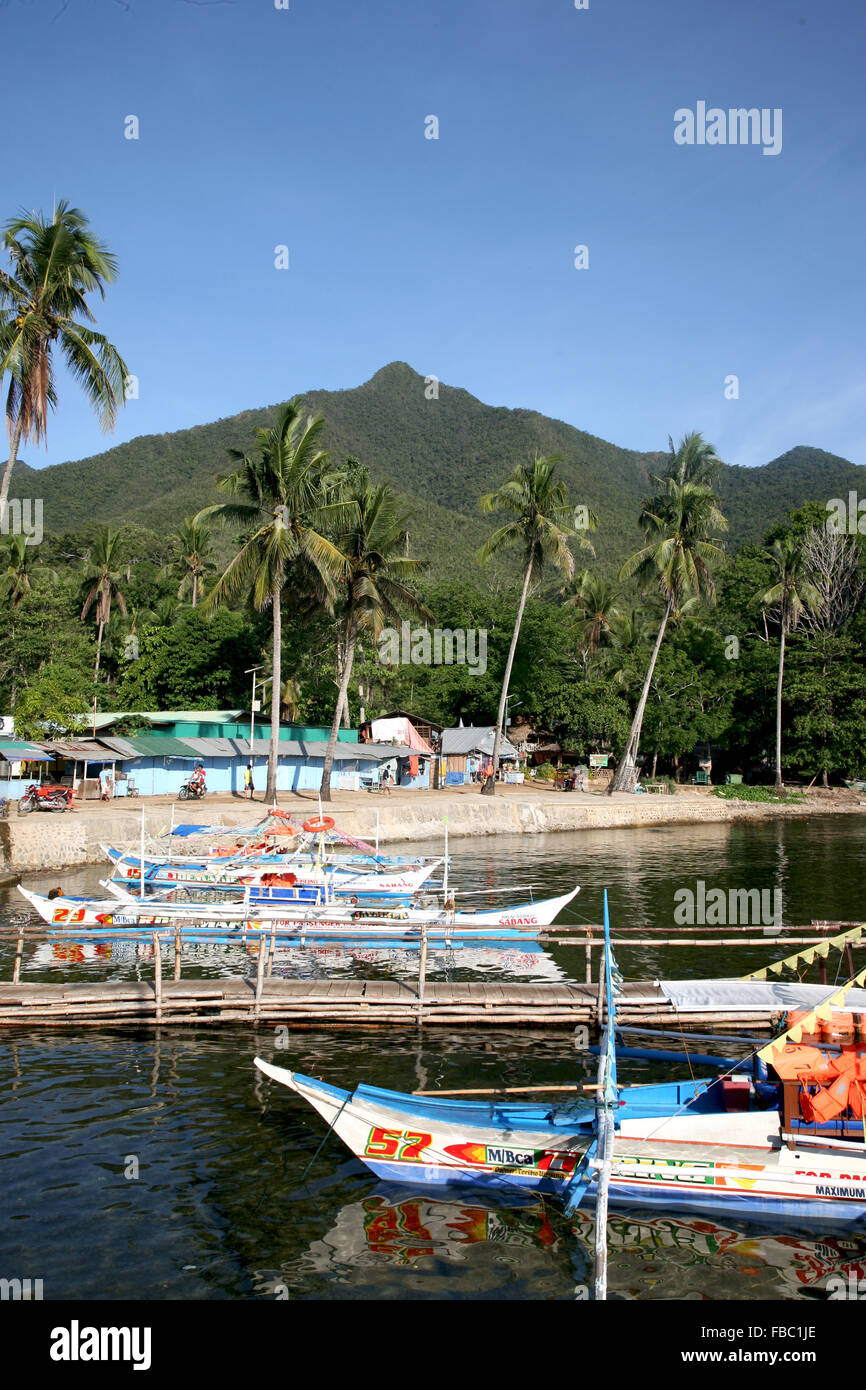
(305, 127)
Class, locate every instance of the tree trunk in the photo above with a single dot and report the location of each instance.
(276, 687)
(98, 650)
(10, 464)
(194, 587)
(489, 786)
(655, 762)
(624, 778)
(779, 710)
(341, 697)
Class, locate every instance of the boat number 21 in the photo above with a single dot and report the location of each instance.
(398, 1143)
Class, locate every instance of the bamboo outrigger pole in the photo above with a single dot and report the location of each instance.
(141, 857)
(605, 1100)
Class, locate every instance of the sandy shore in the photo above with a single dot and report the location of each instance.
(43, 840)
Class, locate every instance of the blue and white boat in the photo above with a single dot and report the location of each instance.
(753, 1141)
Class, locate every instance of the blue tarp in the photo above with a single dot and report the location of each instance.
(201, 830)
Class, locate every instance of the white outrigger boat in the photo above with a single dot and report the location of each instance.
(788, 1141)
(520, 921)
(274, 873)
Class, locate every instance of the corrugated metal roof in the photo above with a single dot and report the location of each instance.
(122, 746)
(305, 749)
(14, 751)
(456, 742)
(158, 747)
(77, 750)
(201, 716)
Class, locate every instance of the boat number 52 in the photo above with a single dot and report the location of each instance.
(398, 1143)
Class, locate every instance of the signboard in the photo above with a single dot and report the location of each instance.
(598, 759)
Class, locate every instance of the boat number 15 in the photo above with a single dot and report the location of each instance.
(398, 1143)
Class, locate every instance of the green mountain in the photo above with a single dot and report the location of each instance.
(440, 455)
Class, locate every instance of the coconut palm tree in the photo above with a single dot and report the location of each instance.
(595, 601)
(101, 581)
(378, 572)
(16, 576)
(541, 524)
(678, 524)
(43, 308)
(792, 596)
(285, 496)
(196, 558)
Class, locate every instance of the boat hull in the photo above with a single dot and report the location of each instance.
(509, 922)
(444, 1144)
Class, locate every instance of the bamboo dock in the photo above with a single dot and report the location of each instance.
(340, 1003)
(264, 1001)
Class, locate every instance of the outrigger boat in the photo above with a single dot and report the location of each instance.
(123, 910)
(273, 873)
(788, 1141)
(278, 840)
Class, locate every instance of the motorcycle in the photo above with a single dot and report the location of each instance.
(46, 798)
(192, 790)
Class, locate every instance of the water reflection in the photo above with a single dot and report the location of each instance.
(650, 1256)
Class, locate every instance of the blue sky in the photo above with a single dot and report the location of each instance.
(305, 127)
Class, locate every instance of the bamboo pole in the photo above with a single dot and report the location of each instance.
(19, 949)
(157, 976)
(260, 975)
(177, 951)
(508, 1091)
(272, 948)
(422, 973)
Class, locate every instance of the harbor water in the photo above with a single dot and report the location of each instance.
(149, 1164)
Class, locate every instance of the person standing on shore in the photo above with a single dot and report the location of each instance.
(249, 789)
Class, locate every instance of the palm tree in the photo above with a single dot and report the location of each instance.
(377, 571)
(594, 599)
(15, 579)
(291, 698)
(629, 631)
(541, 526)
(195, 558)
(43, 305)
(792, 595)
(678, 524)
(101, 581)
(285, 496)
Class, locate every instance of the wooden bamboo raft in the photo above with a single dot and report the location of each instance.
(340, 1003)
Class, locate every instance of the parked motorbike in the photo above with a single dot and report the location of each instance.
(46, 798)
(192, 790)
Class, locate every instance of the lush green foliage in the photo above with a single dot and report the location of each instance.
(440, 455)
(764, 794)
(584, 644)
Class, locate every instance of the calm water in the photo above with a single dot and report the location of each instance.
(146, 1166)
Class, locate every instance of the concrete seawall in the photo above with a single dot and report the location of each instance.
(47, 841)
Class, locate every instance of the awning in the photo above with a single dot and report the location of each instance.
(152, 746)
(733, 996)
(15, 752)
(119, 748)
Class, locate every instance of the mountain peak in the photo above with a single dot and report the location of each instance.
(395, 374)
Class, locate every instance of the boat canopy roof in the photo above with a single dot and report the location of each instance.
(719, 996)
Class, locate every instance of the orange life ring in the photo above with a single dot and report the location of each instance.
(284, 815)
(317, 823)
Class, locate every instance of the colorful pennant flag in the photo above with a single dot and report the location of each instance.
(824, 1012)
(821, 948)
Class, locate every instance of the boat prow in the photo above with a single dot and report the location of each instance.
(281, 1074)
(541, 913)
